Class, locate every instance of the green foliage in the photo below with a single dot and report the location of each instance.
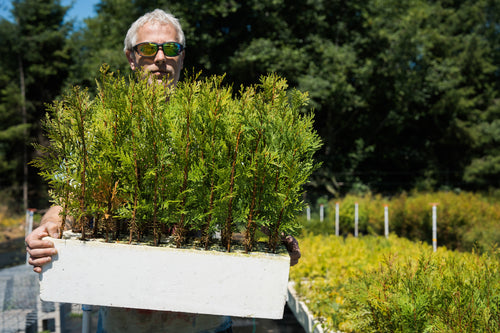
(405, 91)
(431, 293)
(100, 41)
(197, 158)
(373, 284)
(35, 63)
(405, 94)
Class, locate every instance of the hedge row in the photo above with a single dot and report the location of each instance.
(464, 220)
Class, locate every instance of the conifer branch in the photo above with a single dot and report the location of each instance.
(228, 229)
(251, 227)
(180, 228)
(206, 231)
(135, 164)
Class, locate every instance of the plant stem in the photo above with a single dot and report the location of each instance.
(81, 130)
(67, 187)
(228, 232)
(180, 229)
(206, 231)
(250, 229)
(273, 240)
(133, 220)
(156, 232)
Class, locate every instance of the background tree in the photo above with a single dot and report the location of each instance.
(484, 126)
(34, 65)
(101, 41)
(405, 93)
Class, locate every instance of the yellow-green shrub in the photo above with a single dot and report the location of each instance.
(464, 221)
(439, 292)
(9, 222)
(327, 264)
(345, 283)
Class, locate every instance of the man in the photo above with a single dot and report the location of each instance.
(155, 43)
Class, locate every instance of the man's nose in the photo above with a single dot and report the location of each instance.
(160, 57)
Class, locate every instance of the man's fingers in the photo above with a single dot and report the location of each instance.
(39, 257)
(35, 239)
(38, 244)
(42, 252)
(39, 261)
(51, 228)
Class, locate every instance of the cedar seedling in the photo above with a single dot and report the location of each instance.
(149, 161)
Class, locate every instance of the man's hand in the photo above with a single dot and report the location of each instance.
(41, 251)
(292, 245)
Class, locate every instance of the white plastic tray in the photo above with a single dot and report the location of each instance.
(167, 279)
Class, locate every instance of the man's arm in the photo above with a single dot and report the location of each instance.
(41, 251)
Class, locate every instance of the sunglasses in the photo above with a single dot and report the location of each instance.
(170, 49)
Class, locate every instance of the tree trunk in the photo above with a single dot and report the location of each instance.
(25, 121)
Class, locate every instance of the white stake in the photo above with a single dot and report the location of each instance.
(386, 220)
(321, 212)
(434, 226)
(308, 213)
(337, 232)
(28, 228)
(356, 219)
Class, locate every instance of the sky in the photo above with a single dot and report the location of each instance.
(80, 10)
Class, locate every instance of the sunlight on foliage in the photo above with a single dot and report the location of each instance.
(373, 284)
(198, 158)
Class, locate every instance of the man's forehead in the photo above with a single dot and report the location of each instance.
(158, 30)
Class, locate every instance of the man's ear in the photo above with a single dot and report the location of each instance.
(131, 60)
(182, 59)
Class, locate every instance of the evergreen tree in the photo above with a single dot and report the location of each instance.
(34, 65)
(101, 41)
(404, 92)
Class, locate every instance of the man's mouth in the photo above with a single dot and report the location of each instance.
(160, 73)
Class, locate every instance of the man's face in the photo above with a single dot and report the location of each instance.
(161, 66)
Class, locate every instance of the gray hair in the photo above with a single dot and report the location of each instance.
(156, 16)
